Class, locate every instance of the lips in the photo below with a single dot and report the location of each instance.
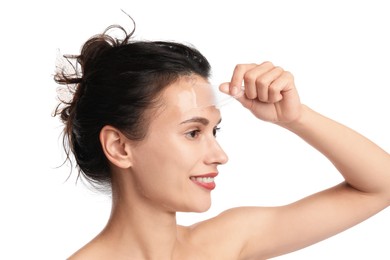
(206, 180)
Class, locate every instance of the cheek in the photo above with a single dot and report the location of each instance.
(168, 156)
(164, 168)
(162, 175)
(149, 172)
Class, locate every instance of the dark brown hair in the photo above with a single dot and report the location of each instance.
(114, 82)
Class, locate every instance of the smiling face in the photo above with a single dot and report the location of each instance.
(175, 165)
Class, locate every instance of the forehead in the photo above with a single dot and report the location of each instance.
(189, 93)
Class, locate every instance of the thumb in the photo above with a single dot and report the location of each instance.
(224, 88)
(236, 92)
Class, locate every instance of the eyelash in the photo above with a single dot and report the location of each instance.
(195, 133)
(216, 130)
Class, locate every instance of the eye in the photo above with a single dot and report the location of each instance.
(193, 134)
(216, 130)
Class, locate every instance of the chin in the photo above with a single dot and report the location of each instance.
(199, 207)
(201, 210)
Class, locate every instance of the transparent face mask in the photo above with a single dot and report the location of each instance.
(200, 95)
(215, 98)
(221, 99)
(194, 93)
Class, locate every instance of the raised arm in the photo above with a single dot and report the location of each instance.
(270, 94)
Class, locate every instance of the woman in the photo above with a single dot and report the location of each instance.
(142, 122)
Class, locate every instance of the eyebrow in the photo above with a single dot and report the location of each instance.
(202, 120)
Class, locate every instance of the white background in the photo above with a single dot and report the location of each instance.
(338, 51)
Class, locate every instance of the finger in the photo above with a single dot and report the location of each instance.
(232, 91)
(224, 88)
(238, 75)
(279, 86)
(264, 82)
(251, 77)
(240, 95)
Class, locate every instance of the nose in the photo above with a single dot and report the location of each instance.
(215, 154)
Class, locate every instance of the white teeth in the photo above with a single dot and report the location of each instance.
(203, 179)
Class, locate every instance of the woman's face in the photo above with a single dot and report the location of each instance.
(175, 165)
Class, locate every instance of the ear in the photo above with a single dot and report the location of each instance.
(116, 147)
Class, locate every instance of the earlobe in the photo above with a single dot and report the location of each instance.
(116, 147)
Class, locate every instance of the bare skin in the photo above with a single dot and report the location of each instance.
(143, 220)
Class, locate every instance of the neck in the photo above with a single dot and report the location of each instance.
(139, 229)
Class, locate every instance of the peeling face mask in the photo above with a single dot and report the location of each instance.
(221, 99)
(216, 99)
(195, 93)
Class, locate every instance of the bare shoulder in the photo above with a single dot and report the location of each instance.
(266, 232)
(95, 249)
(221, 237)
(82, 253)
(85, 252)
(228, 232)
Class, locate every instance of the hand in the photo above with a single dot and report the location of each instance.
(269, 92)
